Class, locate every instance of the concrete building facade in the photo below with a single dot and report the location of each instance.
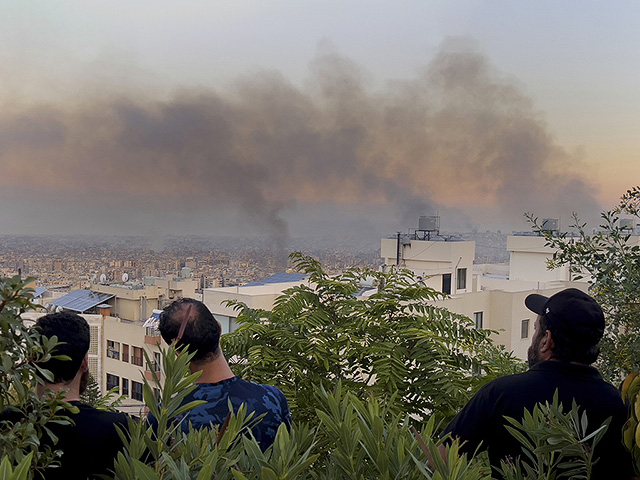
(492, 300)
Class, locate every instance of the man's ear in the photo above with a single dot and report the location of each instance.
(84, 366)
(546, 344)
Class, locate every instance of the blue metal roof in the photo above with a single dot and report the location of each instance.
(39, 291)
(281, 277)
(81, 300)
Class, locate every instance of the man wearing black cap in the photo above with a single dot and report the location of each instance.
(568, 330)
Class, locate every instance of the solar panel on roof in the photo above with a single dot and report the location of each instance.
(81, 300)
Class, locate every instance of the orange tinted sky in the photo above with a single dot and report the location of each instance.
(72, 70)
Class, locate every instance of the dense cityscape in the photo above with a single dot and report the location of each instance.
(64, 263)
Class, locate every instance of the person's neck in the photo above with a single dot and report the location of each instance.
(71, 391)
(213, 371)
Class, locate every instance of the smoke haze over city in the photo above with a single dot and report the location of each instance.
(267, 155)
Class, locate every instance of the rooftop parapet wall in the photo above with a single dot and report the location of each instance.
(429, 253)
(528, 260)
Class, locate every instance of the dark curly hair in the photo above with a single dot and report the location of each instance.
(200, 330)
(74, 338)
(568, 348)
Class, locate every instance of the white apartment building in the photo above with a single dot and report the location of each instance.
(255, 295)
(492, 296)
(136, 302)
(125, 363)
(442, 263)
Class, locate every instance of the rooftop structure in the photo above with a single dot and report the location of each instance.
(82, 301)
(261, 294)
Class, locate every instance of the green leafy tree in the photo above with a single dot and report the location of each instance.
(91, 396)
(392, 343)
(610, 261)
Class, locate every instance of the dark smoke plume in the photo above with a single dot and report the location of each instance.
(458, 136)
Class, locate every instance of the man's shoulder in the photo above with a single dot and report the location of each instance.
(94, 415)
(235, 387)
(572, 381)
(84, 411)
(259, 389)
(509, 381)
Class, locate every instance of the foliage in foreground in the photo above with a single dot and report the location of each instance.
(349, 438)
(610, 259)
(392, 343)
(555, 444)
(22, 350)
(358, 433)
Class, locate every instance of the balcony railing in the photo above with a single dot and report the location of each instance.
(151, 368)
(152, 336)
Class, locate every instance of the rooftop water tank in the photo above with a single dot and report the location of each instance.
(550, 225)
(428, 223)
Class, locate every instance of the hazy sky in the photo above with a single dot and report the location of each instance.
(294, 117)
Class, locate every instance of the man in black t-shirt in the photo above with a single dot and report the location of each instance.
(568, 330)
(90, 445)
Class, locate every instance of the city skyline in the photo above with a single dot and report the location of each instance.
(293, 118)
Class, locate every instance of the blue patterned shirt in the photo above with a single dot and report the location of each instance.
(261, 399)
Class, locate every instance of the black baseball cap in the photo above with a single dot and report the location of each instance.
(571, 311)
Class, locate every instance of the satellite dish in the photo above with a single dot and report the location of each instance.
(58, 309)
(125, 277)
(103, 278)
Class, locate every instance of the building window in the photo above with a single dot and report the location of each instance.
(136, 359)
(477, 317)
(125, 386)
(446, 283)
(125, 352)
(461, 282)
(524, 329)
(113, 349)
(113, 381)
(153, 367)
(136, 391)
